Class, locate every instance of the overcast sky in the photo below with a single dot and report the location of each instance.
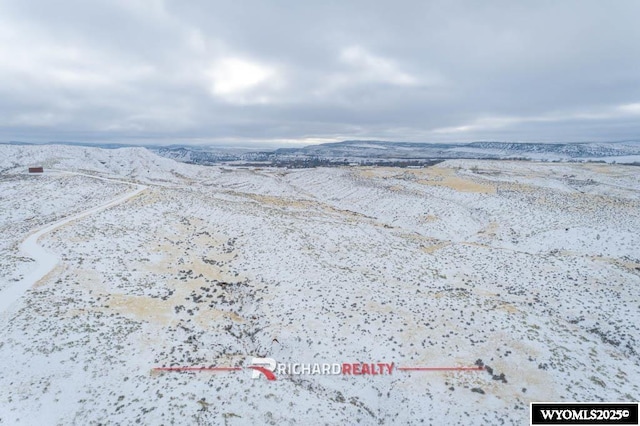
(312, 71)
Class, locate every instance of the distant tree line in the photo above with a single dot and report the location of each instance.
(313, 162)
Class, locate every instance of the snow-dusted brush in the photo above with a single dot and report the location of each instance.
(374, 295)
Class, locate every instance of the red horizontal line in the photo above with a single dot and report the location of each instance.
(440, 368)
(197, 368)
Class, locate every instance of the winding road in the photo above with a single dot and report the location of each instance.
(45, 261)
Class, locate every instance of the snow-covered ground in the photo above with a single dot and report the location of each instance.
(43, 261)
(533, 268)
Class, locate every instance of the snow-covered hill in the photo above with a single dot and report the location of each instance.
(133, 163)
(530, 270)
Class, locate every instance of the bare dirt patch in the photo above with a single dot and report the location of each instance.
(432, 176)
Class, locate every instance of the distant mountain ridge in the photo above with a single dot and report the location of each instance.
(412, 153)
(392, 153)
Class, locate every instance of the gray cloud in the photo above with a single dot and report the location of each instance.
(172, 71)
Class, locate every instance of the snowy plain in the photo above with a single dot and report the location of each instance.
(532, 268)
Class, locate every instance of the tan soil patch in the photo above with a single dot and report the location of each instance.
(428, 218)
(624, 264)
(49, 277)
(490, 230)
(435, 247)
(304, 205)
(147, 309)
(433, 176)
